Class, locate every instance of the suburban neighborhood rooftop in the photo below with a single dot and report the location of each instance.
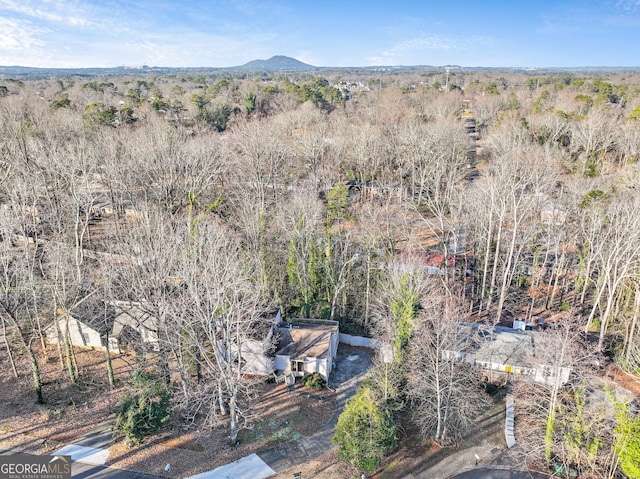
(301, 339)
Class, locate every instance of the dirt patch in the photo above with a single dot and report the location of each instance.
(288, 413)
(70, 410)
(623, 379)
(413, 456)
(280, 414)
(184, 443)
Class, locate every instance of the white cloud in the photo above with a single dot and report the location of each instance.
(628, 5)
(82, 33)
(406, 51)
(19, 36)
(49, 11)
(185, 49)
(308, 57)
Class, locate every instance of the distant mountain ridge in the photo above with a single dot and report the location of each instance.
(282, 63)
(275, 63)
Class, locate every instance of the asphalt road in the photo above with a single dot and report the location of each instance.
(489, 473)
(80, 470)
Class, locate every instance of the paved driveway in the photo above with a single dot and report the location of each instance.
(350, 362)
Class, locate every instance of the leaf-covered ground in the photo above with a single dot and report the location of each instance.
(72, 411)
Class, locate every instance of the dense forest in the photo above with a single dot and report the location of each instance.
(398, 204)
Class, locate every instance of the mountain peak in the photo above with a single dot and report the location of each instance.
(277, 62)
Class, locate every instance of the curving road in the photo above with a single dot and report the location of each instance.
(499, 473)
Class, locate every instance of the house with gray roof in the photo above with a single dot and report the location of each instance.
(503, 351)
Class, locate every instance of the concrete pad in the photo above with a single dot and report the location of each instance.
(89, 455)
(508, 425)
(249, 467)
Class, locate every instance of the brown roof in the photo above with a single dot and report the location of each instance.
(300, 340)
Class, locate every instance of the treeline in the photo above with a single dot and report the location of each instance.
(211, 200)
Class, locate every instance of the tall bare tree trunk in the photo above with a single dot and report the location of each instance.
(35, 368)
(631, 330)
(506, 275)
(69, 354)
(233, 421)
(496, 255)
(9, 352)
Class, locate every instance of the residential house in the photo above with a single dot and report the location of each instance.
(133, 327)
(520, 324)
(503, 351)
(306, 346)
(432, 263)
(78, 332)
(551, 211)
(257, 352)
(86, 325)
(290, 349)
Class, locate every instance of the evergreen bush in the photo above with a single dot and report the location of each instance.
(144, 408)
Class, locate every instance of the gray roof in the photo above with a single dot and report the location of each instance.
(302, 340)
(96, 314)
(506, 346)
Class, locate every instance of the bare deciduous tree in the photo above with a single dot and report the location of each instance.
(224, 311)
(446, 393)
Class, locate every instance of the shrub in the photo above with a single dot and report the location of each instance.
(365, 431)
(314, 380)
(627, 438)
(100, 114)
(144, 408)
(61, 102)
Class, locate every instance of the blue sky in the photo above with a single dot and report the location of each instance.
(532, 33)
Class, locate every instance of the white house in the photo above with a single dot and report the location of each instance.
(505, 351)
(86, 325)
(77, 332)
(133, 320)
(306, 346)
